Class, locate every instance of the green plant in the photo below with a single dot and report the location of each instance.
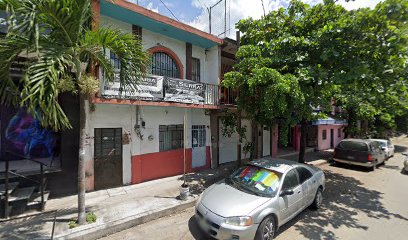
(248, 148)
(72, 223)
(90, 217)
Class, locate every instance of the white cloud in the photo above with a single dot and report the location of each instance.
(241, 9)
(152, 8)
(359, 4)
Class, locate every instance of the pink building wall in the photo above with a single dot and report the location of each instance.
(323, 144)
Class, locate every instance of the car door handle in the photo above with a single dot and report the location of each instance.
(298, 192)
(314, 181)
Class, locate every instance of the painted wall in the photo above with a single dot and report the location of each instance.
(228, 145)
(209, 58)
(325, 144)
(147, 142)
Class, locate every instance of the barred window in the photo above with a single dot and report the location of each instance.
(108, 142)
(163, 64)
(114, 60)
(199, 135)
(195, 69)
(324, 134)
(170, 137)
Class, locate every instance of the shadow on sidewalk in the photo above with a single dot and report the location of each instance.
(199, 181)
(400, 149)
(344, 196)
(31, 227)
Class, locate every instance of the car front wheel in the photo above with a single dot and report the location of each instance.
(317, 203)
(266, 230)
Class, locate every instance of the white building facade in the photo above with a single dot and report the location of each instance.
(139, 137)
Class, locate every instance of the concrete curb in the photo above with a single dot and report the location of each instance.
(95, 230)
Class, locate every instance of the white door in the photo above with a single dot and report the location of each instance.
(266, 139)
(227, 146)
(198, 145)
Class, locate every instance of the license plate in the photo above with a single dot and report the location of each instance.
(350, 157)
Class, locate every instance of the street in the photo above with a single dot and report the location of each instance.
(358, 204)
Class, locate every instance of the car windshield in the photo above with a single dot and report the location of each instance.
(382, 144)
(256, 180)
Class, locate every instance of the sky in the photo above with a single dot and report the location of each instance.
(195, 12)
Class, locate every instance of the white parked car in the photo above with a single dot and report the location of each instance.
(405, 161)
(387, 146)
(259, 198)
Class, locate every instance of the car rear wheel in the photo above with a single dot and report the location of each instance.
(317, 203)
(374, 166)
(266, 230)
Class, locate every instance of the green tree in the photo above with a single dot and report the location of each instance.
(63, 54)
(374, 90)
(320, 51)
(285, 65)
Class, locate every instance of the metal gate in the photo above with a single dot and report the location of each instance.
(108, 158)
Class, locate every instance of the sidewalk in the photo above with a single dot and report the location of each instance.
(116, 209)
(123, 207)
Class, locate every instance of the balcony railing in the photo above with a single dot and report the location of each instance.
(228, 96)
(165, 89)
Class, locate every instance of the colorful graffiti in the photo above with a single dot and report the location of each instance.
(25, 138)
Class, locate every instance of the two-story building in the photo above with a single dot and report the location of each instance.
(138, 136)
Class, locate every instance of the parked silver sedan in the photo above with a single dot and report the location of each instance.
(258, 198)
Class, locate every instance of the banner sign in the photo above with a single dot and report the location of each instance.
(149, 88)
(184, 91)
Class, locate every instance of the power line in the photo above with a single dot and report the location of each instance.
(204, 5)
(169, 10)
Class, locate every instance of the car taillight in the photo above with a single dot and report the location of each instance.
(370, 157)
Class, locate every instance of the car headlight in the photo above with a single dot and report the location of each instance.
(239, 221)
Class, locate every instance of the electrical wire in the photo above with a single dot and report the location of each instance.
(169, 10)
(203, 5)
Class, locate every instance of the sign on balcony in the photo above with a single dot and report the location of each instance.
(184, 91)
(149, 88)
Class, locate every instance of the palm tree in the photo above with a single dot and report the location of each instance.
(64, 53)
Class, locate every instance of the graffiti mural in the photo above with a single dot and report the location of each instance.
(24, 138)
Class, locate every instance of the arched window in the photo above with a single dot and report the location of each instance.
(163, 64)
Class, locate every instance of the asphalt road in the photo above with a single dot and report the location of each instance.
(359, 204)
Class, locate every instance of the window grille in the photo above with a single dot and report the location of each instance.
(195, 70)
(199, 136)
(108, 142)
(324, 134)
(170, 137)
(163, 64)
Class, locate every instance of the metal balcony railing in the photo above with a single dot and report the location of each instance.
(165, 89)
(228, 96)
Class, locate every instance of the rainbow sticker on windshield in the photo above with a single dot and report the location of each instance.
(270, 179)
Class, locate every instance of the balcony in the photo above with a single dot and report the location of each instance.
(159, 89)
(228, 96)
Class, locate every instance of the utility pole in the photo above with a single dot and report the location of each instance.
(239, 160)
(225, 18)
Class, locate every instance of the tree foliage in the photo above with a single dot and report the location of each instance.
(56, 38)
(295, 60)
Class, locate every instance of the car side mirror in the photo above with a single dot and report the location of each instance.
(383, 148)
(286, 192)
